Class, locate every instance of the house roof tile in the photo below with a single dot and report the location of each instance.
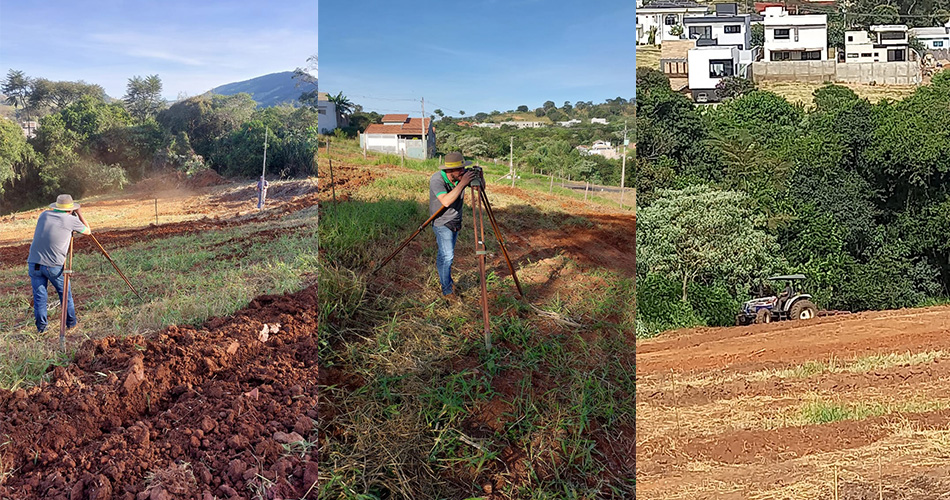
(412, 127)
(395, 118)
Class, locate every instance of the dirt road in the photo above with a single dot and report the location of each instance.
(841, 407)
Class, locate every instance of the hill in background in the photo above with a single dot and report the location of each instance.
(268, 90)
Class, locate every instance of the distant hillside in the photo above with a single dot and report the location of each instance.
(268, 90)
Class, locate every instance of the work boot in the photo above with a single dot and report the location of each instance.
(452, 299)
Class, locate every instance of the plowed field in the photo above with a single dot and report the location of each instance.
(223, 410)
(848, 407)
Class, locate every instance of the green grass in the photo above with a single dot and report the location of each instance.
(222, 271)
(408, 425)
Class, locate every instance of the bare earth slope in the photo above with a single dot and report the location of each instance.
(843, 407)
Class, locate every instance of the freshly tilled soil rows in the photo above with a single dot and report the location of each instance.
(224, 399)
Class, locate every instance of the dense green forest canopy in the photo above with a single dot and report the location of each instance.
(88, 144)
(851, 194)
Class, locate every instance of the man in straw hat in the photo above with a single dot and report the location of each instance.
(54, 230)
(446, 189)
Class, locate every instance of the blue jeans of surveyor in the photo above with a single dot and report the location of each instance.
(40, 276)
(445, 239)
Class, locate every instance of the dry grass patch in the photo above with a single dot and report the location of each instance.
(648, 56)
(800, 92)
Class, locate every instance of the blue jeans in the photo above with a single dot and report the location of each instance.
(445, 239)
(39, 279)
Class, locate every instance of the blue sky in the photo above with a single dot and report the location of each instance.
(193, 45)
(479, 55)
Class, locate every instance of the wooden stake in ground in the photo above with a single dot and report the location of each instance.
(836, 482)
(156, 211)
(330, 161)
(676, 411)
(64, 299)
(623, 166)
(880, 480)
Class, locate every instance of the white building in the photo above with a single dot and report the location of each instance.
(662, 16)
(708, 64)
(795, 38)
(934, 38)
(883, 43)
(725, 26)
(602, 148)
(602, 121)
(326, 114)
(399, 134)
(569, 123)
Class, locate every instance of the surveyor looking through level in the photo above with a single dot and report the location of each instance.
(46, 262)
(446, 188)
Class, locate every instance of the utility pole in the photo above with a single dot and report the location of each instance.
(623, 165)
(511, 160)
(425, 139)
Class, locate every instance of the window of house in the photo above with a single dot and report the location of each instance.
(875, 54)
(892, 35)
(721, 68)
(781, 33)
(938, 43)
(670, 20)
(850, 38)
(736, 28)
(866, 54)
(811, 55)
(853, 55)
(700, 32)
(780, 56)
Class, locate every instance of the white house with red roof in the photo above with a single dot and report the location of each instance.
(399, 134)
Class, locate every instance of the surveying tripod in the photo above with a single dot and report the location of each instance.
(480, 207)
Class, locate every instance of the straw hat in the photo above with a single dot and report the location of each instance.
(64, 202)
(455, 160)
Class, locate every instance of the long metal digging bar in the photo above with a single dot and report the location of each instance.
(127, 282)
(406, 242)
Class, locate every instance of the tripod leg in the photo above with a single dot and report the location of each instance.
(501, 241)
(413, 235)
(479, 225)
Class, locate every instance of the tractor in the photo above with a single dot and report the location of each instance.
(789, 304)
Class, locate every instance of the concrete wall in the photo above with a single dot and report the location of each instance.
(884, 73)
(800, 71)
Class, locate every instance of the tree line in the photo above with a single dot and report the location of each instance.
(550, 149)
(87, 143)
(851, 194)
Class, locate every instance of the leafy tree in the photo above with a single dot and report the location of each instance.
(539, 112)
(439, 113)
(702, 234)
(649, 80)
(307, 78)
(16, 87)
(143, 97)
(14, 151)
(757, 35)
(480, 117)
(548, 105)
(343, 107)
(833, 97)
(734, 86)
(523, 109)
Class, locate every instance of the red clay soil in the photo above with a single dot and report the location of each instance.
(760, 456)
(780, 344)
(220, 411)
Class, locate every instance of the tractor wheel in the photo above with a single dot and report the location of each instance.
(803, 309)
(763, 316)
